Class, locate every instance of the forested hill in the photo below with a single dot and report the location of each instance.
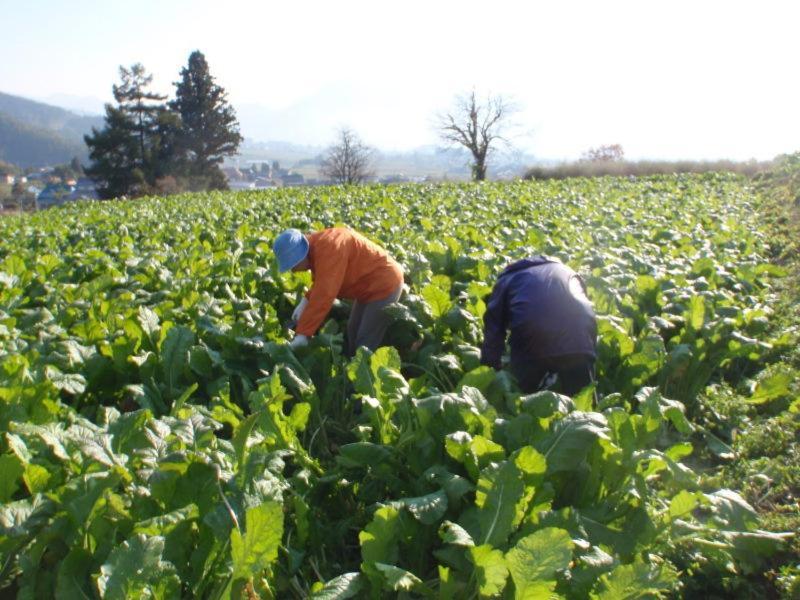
(34, 134)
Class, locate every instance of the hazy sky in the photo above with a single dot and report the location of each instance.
(676, 79)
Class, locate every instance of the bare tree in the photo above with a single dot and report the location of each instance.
(348, 160)
(607, 153)
(476, 126)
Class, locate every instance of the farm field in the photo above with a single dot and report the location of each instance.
(160, 439)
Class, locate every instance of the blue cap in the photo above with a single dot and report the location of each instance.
(290, 248)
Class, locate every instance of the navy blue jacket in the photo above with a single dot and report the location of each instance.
(532, 298)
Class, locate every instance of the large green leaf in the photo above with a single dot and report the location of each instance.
(398, 579)
(136, 570)
(175, 355)
(637, 580)
(380, 537)
(437, 299)
(12, 468)
(257, 548)
(500, 491)
(490, 569)
(535, 559)
(773, 386)
(428, 509)
(570, 440)
(452, 533)
(339, 588)
(377, 374)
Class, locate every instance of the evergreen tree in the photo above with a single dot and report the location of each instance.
(144, 108)
(209, 129)
(113, 151)
(126, 153)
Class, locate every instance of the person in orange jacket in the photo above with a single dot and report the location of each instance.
(343, 264)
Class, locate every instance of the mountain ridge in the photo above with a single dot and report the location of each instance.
(36, 134)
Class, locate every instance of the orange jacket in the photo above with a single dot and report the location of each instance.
(345, 264)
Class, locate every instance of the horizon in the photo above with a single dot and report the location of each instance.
(666, 82)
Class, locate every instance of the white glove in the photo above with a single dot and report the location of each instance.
(298, 342)
(298, 311)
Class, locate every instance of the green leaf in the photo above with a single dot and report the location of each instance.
(683, 503)
(545, 404)
(438, 300)
(773, 386)
(11, 467)
(696, 313)
(363, 454)
(98, 447)
(490, 569)
(175, 355)
(530, 462)
(181, 400)
(298, 417)
(398, 579)
(72, 580)
(377, 374)
(196, 432)
(241, 435)
(36, 478)
(254, 551)
(656, 408)
(136, 570)
(637, 580)
(731, 511)
(340, 588)
(166, 523)
(380, 537)
(584, 400)
(570, 440)
(500, 489)
(480, 378)
(535, 559)
(452, 533)
(71, 383)
(427, 509)
(149, 322)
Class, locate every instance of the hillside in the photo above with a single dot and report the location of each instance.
(33, 134)
(29, 146)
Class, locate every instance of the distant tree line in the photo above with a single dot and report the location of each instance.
(644, 168)
(151, 146)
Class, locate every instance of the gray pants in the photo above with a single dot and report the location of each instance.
(368, 323)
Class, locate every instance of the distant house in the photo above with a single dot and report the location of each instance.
(54, 194)
(84, 190)
(8, 179)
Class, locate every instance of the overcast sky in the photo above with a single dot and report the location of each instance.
(677, 79)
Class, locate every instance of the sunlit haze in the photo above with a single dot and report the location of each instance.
(699, 80)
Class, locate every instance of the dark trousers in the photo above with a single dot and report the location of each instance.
(368, 323)
(575, 372)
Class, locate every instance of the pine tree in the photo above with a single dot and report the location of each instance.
(144, 108)
(126, 153)
(113, 151)
(209, 129)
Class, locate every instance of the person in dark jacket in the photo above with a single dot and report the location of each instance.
(553, 328)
